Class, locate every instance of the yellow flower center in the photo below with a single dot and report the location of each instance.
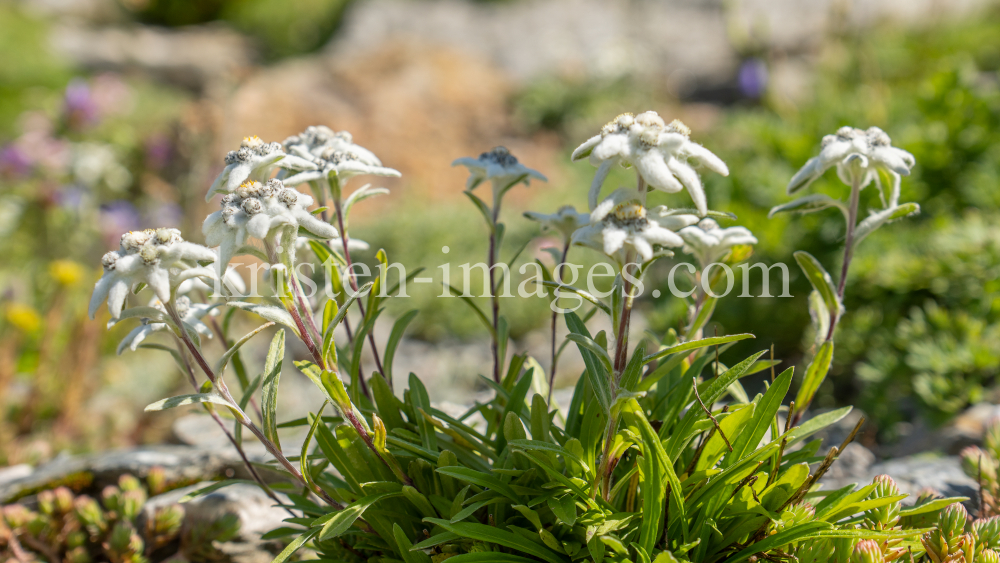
(252, 142)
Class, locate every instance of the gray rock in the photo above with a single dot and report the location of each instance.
(192, 56)
(686, 42)
(912, 474)
(95, 471)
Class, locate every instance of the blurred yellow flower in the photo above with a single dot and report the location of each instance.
(23, 317)
(66, 272)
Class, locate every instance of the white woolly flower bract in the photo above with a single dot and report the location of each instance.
(159, 258)
(256, 210)
(620, 225)
(255, 160)
(498, 166)
(708, 242)
(565, 221)
(868, 152)
(321, 152)
(663, 154)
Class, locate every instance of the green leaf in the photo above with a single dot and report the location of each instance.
(794, 534)
(876, 220)
(809, 204)
(405, 547)
(422, 402)
(220, 366)
(931, 506)
(480, 479)
(182, 400)
(304, 455)
(269, 398)
(398, 328)
(484, 209)
(212, 488)
(489, 557)
(658, 473)
(587, 296)
(296, 544)
(267, 312)
(359, 195)
(815, 374)
(765, 411)
(599, 378)
(815, 424)
(689, 346)
(340, 521)
(820, 280)
(495, 535)
(630, 377)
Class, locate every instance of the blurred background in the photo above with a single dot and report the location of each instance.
(116, 115)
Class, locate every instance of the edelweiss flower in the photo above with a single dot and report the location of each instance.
(157, 257)
(498, 166)
(255, 160)
(708, 242)
(256, 210)
(868, 151)
(622, 221)
(190, 314)
(330, 154)
(661, 153)
(565, 221)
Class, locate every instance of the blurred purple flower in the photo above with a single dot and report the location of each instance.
(752, 78)
(71, 196)
(14, 162)
(118, 217)
(78, 104)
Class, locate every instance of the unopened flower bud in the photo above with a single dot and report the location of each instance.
(952, 522)
(109, 260)
(63, 499)
(288, 197)
(987, 531)
(867, 551)
(47, 503)
(149, 255)
(252, 206)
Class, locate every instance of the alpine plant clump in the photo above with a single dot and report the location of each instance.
(660, 455)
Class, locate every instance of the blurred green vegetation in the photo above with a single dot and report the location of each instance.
(280, 27)
(922, 332)
(923, 304)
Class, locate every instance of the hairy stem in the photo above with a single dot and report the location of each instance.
(491, 259)
(852, 219)
(354, 286)
(555, 316)
(242, 418)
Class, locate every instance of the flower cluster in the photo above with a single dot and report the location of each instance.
(622, 228)
(708, 242)
(498, 166)
(324, 153)
(255, 160)
(663, 155)
(159, 258)
(859, 156)
(255, 210)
